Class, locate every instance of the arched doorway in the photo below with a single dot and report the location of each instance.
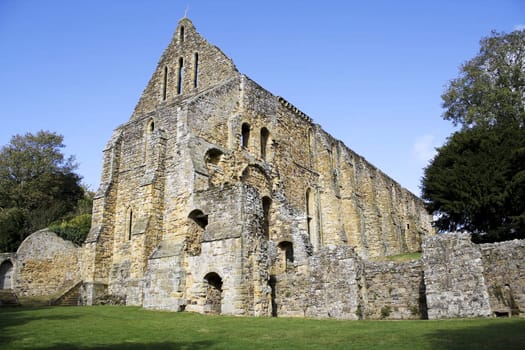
(6, 275)
(213, 301)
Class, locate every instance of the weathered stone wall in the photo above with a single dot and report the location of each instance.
(504, 272)
(46, 265)
(393, 290)
(327, 289)
(200, 132)
(454, 277)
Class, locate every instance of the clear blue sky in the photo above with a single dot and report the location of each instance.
(370, 72)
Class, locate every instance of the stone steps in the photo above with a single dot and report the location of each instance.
(8, 298)
(70, 298)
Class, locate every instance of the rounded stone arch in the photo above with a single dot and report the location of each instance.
(6, 274)
(213, 156)
(199, 218)
(213, 293)
(196, 227)
(255, 175)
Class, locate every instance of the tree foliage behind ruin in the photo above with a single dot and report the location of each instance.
(38, 186)
(476, 182)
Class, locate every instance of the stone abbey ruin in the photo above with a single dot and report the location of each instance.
(219, 197)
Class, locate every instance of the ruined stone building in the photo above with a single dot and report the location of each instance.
(219, 197)
(214, 185)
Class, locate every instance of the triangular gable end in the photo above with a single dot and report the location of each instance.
(188, 66)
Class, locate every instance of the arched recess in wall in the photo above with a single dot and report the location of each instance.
(197, 225)
(6, 275)
(213, 301)
(286, 255)
(149, 143)
(312, 221)
(256, 176)
(265, 140)
(213, 156)
(266, 207)
(245, 135)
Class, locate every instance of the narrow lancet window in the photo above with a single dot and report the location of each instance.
(266, 204)
(180, 76)
(196, 71)
(245, 135)
(265, 134)
(130, 224)
(165, 83)
(181, 34)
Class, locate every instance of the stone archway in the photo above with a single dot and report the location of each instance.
(6, 275)
(213, 301)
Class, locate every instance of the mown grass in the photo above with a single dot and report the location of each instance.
(107, 327)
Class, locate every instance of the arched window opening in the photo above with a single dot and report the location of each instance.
(265, 135)
(6, 275)
(181, 34)
(245, 135)
(286, 253)
(213, 302)
(165, 83)
(148, 140)
(199, 218)
(130, 224)
(266, 205)
(196, 71)
(195, 232)
(213, 156)
(180, 76)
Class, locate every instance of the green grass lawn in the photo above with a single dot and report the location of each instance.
(111, 327)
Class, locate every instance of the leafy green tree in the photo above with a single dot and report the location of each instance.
(490, 88)
(476, 182)
(38, 185)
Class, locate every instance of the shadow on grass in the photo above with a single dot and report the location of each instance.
(497, 335)
(198, 345)
(17, 316)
